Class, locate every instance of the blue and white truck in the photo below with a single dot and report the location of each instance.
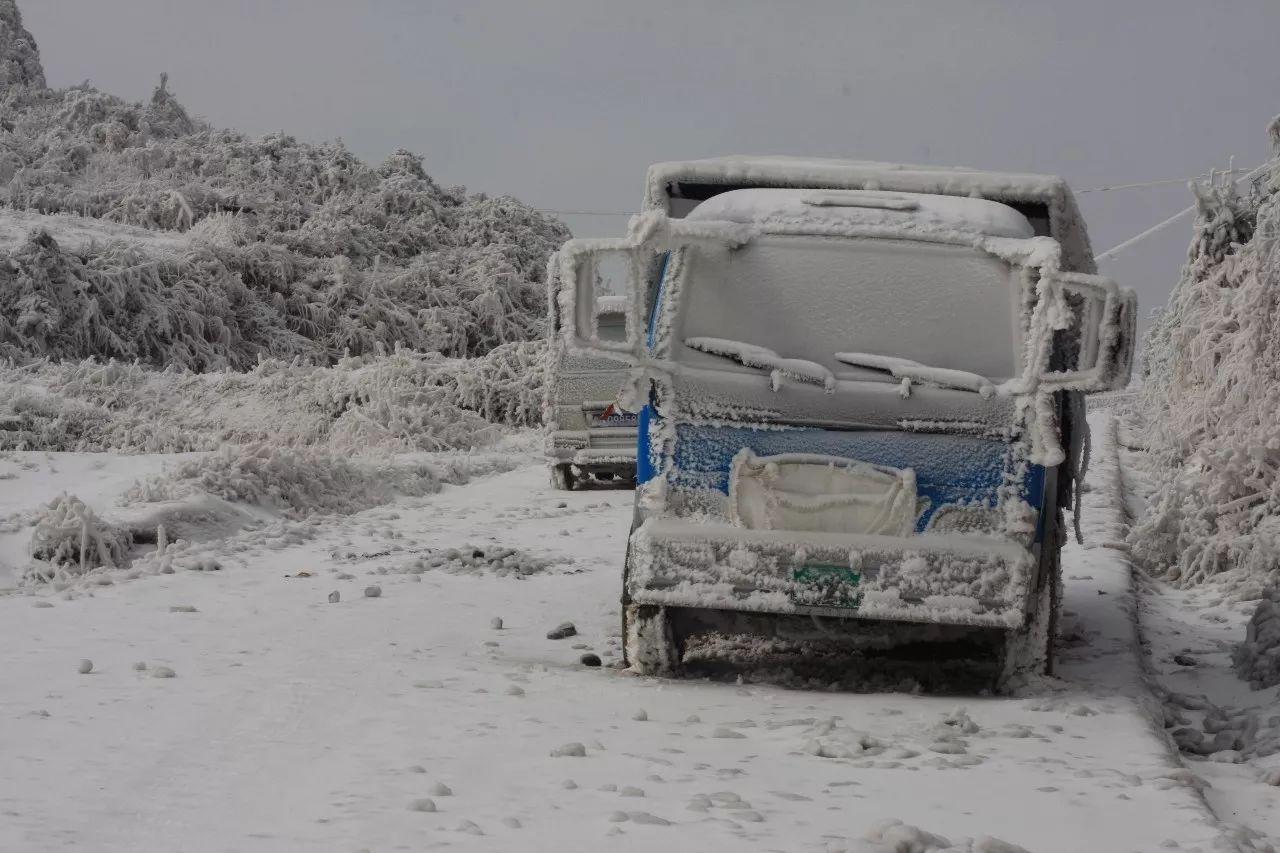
(859, 390)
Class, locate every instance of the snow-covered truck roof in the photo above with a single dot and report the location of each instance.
(1044, 200)
(824, 210)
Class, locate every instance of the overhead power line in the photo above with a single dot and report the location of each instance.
(1114, 250)
(1109, 253)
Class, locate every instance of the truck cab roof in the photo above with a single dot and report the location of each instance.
(679, 187)
(828, 211)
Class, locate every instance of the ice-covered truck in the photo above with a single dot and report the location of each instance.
(590, 438)
(860, 395)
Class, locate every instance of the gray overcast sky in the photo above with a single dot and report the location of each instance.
(564, 102)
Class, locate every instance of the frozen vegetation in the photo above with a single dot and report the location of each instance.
(152, 239)
(406, 400)
(305, 322)
(256, 401)
(1211, 392)
(293, 249)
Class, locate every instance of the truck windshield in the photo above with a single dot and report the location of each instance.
(807, 297)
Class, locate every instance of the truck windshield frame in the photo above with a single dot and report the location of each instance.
(811, 296)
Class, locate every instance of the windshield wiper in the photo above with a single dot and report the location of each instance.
(914, 371)
(750, 355)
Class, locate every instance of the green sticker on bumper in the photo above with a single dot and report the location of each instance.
(826, 585)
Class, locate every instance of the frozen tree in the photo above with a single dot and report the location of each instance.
(1212, 390)
(19, 55)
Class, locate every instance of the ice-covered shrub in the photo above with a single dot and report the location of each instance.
(69, 538)
(225, 302)
(1257, 659)
(292, 481)
(398, 402)
(1212, 390)
(298, 482)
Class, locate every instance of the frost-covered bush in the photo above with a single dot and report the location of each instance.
(1212, 392)
(296, 249)
(292, 481)
(399, 402)
(225, 302)
(1257, 659)
(298, 482)
(70, 539)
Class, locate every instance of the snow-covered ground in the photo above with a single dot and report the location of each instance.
(409, 721)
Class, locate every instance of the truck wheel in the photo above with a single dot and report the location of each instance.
(1029, 650)
(650, 645)
(562, 477)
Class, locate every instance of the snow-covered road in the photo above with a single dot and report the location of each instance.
(293, 723)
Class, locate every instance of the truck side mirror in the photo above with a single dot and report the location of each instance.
(1093, 324)
(600, 297)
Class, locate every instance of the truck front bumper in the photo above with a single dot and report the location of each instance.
(945, 579)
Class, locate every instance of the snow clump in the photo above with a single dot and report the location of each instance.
(476, 560)
(894, 836)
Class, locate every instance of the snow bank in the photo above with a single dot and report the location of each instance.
(1211, 390)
